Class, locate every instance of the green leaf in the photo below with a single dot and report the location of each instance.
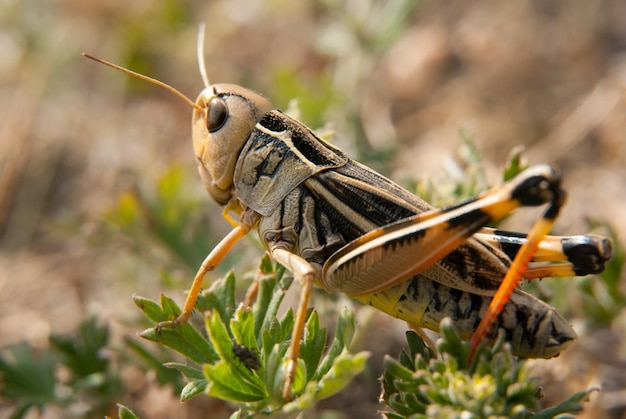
(190, 373)
(226, 384)
(343, 370)
(313, 344)
(193, 388)
(271, 294)
(27, 378)
(124, 412)
(396, 369)
(270, 338)
(82, 351)
(273, 376)
(417, 348)
(220, 297)
(151, 309)
(196, 382)
(183, 339)
(515, 164)
(224, 346)
(569, 405)
(242, 327)
(286, 325)
(343, 336)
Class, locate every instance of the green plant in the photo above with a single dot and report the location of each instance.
(467, 178)
(29, 379)
(220, 372)
(124, 412)
(420, 384)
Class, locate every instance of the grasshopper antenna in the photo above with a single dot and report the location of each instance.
(201, 63)
(146, 78)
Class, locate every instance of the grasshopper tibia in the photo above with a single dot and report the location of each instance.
(537, 188)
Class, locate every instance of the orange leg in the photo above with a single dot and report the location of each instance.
(517, 269)
(210, 263)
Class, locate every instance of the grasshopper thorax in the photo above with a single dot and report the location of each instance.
(223, 119)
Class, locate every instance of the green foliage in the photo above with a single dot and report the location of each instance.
(27, 379)
(220, 370)
(312, 102)
(30, 381)
(170, 217)
(83, 353)
(147, 360)
(124, 412)
(515, 164)
(420, 384)
(217, 370)
(465, 180)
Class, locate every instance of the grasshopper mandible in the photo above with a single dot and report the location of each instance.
(341, 226)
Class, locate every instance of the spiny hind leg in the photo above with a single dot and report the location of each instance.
(551, 188)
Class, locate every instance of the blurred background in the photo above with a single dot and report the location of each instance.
(100, 200)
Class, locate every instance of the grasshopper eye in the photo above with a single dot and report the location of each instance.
(216, 114)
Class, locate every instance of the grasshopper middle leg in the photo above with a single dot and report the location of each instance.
(305, 274)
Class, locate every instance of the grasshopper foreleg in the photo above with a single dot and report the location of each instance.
(248, 220)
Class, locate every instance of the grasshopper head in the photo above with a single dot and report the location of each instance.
(224, 116)
(223, 119)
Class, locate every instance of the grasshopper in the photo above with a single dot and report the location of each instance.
(339, 225)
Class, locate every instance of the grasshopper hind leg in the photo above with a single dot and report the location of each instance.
(527, 191)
